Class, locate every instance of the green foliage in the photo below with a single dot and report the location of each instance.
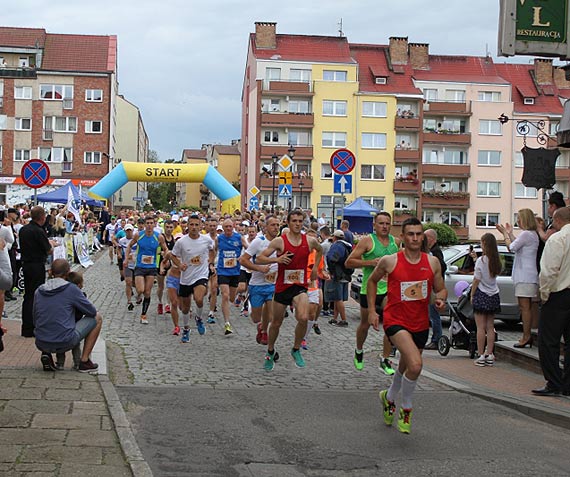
(161, 194)
(445, 234)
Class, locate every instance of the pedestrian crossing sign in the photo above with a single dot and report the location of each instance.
(285, 191)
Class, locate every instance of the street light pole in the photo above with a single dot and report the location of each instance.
(273, 172)
(301, 184)
(291, 153)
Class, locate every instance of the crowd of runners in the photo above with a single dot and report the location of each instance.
(274, 266)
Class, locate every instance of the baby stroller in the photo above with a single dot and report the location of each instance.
(462, 329)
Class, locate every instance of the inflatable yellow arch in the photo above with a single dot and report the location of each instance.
(162, 172)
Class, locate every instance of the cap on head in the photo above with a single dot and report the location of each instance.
(338, 234)
(175, 217)
(128, 227)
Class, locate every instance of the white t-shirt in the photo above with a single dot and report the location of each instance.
(258, 245)
(124, 243)
(195, 254)
(110, 228)
(488, 284)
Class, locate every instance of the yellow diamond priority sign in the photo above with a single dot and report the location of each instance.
(285, 162)
(254, 191)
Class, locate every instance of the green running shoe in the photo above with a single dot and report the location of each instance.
(359, 360)
(269, 361)
(389, 408)
(405, 420)
(386, 366)
(299, 361)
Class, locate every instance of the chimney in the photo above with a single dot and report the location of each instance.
(419, 56)
(265, 35)
(399, 50)
(543, 71)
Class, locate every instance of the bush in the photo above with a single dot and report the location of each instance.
(445, 234)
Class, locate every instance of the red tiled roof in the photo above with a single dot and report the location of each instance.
(306, 48)
(92, 53)
(224, 149)
(22, 37)
(468, 69)
(194, 153)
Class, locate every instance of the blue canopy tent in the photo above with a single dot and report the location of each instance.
(360, 214)
(60, 195)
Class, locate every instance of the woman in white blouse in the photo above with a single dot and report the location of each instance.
(525, 272)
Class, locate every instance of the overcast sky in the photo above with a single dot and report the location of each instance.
(182, 61)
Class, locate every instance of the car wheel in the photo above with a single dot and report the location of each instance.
(443, 345)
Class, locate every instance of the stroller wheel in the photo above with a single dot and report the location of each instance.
(443, 345)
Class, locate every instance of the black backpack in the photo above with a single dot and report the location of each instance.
(341, 271)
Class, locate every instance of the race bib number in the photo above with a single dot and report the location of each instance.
(148, 259)
(195, 261)
(414, 291)
(230, 262)
(271, 277)
(294, 276)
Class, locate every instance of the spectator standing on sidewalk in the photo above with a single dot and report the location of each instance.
(434, 317)
(5, 280)
(555, 313)
(485, 298)
(348, 236)
(555, 202)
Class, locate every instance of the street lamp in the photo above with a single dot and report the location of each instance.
(301, 184)
(273, 172)
(291, 153)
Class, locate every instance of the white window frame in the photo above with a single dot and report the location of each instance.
(90, 95)
(484, 158)
(66, 91)
(486, 127)
(430, 94)
(335, 108)
(336, 138)
(553, 127)
(326, 171)
(487, 185)
(487, 215)
(299, 135)
(377, 172)
(19, 155)
(304, 75)
(489, 96)
(23, 92)
(301, 106)
(376, 109)
(518, 159)
(523, 192)
(373, 140)
(335, 75)
(375, 201)
(402, 202)
(89, 126)
(528, 101)
(19, 124)
(53, 152)
(455, 95)
(273, 74)
(51, 124)
(273, 136)
(89, 157)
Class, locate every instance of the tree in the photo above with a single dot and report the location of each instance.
(445, 234)
(162, 194)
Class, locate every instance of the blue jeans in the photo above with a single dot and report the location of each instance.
(435, 321)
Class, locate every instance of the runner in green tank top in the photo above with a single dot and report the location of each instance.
(366, 255)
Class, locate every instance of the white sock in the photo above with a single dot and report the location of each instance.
(395, 387)
(186, 320)
(310, 324)
(199, 312)
(408, 387)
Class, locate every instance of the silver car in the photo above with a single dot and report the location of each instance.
(460, 267)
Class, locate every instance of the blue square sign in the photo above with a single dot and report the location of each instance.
(342, 184)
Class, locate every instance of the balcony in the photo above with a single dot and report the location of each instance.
(15, 72)
(453, 200)
(409, 124)
(296, 120)
(304, 153)
(406, 186)
(446, 170)
(448, 108)
(445, 137)
(296, 88)
(461, 232)
(407, 155)
(562, 174)
(399, 215)
(266, 183)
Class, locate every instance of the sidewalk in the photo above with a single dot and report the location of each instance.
(64, 423)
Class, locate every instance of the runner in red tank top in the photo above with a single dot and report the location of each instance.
(293, 249)
(412, 275)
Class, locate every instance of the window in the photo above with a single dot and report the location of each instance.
(67, 162)
(489, 158)
(94, 95)
(271, 136)
(3, 121)
(334, 139)
(22, 92)
(519, 161)
(377, 202)
(492, 127)
(401, 202)
(303, 76)
(375, 109)
(455, 95)
(94, 127)
(21, 154)
(374, 140)
(92, 158)
(331, 75)
(528, 100)
(334, 108)
(522, 192)
(372, 172)
(56, 92)
(55, 154)
(326, 171)
(453, 156)
(299, 138)
(60, 123)
(452, 217)
(490, 96)
(275, 105)
(487, 219)
(24, 62)
(298, 106)
(303, 168)
(430, 94)
(488, 189)
(553, 127)
(23, 124)
(273, 74)
(326, 199)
